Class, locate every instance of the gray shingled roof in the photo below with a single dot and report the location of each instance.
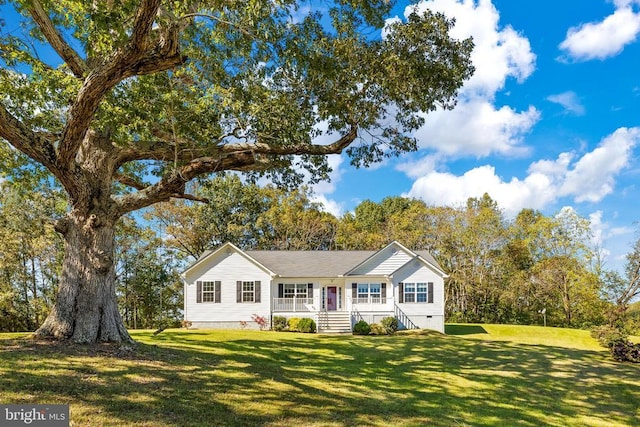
(314, 263)
(430, 259)
(318, 263)
(310, 263)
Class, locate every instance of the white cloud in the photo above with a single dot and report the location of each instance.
(625, 3)
(600, 40)
(477, 126)
(603, 230)
(554, 169)
(420, 167)
(331, 206)
(598, 228)
(589, 179)
(535, 191)
(388, 23)
(328, 187)
(593, 176)
(323, 189)
(569, 100)
(498, 53)
(611, 242)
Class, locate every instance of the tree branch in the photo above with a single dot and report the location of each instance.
(145, 15)
(130, 181)
(137, 58)
(174, 183)
(220, 20)
(164, 148)
(138, 185)
(32, 144)
(190, 197)
(216, 157)
(76, 64)
(632, 288)
(313, 149)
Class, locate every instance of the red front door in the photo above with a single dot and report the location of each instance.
(332, 298)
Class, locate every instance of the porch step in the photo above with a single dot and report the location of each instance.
(334, 322)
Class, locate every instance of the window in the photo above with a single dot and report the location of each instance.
(409, 292)
(208, 291)
(295, 290)
(363, 291)
(374, 292)
(248, 291)
(420, 292)
(369, 293)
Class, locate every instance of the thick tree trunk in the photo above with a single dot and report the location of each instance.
(86, 309)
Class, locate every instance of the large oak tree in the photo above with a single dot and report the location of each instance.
(126, 101)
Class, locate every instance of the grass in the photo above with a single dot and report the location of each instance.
(477, 375)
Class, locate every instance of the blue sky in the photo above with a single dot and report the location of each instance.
(549, 120)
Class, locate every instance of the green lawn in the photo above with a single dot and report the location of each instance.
(477, 375)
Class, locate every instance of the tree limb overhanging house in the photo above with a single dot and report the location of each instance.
(227, 286)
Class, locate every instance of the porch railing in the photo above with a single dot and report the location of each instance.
(403, 319)
(293, 304)
(370, 300)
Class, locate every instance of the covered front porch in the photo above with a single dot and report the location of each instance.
(325, 295)
(331, 296)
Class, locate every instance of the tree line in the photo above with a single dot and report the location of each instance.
(531, 269)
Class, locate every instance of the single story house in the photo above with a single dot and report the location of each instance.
(226, 287)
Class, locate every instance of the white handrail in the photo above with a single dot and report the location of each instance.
(370, 300)
(293, 304)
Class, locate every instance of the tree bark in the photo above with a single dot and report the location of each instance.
(86, 309)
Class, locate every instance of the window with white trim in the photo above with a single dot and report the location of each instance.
(374, 293)
(421, 292)
(409, 292)
(295, 290)
(248, 291)
(363, 291)
(208, 291)
(369, 293)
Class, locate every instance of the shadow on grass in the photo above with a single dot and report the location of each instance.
(464, 329)
(196, 378)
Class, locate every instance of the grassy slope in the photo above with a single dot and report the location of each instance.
(478, 375)
(535, 335)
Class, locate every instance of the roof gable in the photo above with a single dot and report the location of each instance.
(325, 263)
(223, 250)
(384, 262)
(392, 258)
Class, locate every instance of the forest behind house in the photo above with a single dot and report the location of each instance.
(531, 269)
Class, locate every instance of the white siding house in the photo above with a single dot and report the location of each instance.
(226, 287)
